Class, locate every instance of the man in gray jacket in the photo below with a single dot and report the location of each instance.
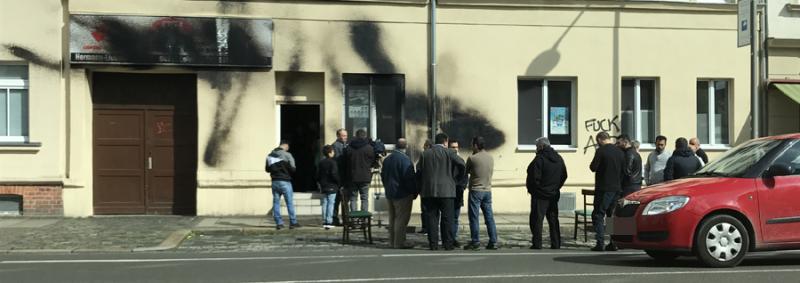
(438, 170)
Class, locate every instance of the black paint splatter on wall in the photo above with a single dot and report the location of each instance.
(367, 41)
(465, 123)
(228, 103)
(458, 121)
(134, 45)
(291, 79)
(30, 56)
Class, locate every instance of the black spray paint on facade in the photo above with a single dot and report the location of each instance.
(135, 45)
(594, 126)
(30, 56)
(458, 121)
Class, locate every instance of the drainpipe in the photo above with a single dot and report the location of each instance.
(432, 68)
(754, 85)
(765, 66)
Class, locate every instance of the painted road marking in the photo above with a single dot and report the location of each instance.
(544, 275)
(299, 257)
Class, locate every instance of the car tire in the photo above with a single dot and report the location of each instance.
(722, 241)
(663, 256)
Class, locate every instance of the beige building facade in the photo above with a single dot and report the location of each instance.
(783, 86)
(118, 134)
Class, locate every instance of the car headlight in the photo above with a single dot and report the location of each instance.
(665, 205)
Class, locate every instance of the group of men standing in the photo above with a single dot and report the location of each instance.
(618, 173)
(441, 176)
(440, 179)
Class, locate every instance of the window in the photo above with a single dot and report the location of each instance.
(13, 103)
(546, 108)
(791, 157)
(375, 103)
(712, 112)
(639, 109)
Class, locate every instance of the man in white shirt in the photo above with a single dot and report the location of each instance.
(656, 162)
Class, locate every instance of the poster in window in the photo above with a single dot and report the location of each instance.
(358, 111)
(559, 120)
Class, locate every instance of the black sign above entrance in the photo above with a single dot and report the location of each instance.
(181, 41)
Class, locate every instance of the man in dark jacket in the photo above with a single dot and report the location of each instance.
(461, 186)
(329, 184)
(338, 148)
(694, 144)
(280, 164)
(633, 165)
(546, 175)
(359, 157)
(682, 163)
(438, 170)
(608, 165)
(399, 183)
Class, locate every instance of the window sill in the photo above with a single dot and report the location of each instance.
(558, 148)
(20, 146)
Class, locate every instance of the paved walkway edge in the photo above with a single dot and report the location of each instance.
(173, 241)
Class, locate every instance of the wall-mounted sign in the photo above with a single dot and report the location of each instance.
(183, 41)
(745, 23)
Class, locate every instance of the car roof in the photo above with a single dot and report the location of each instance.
(793, 136)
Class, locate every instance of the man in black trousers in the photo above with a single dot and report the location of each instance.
(546, 175)
(608, 166)
(438, 170)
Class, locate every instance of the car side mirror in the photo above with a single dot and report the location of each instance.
(777, 170)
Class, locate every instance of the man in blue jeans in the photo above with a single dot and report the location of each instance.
(608, 166)
(480, 167)
(280, 165)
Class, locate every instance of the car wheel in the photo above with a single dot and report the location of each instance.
(663, 256)
(722, 241)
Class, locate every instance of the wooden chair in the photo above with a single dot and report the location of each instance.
(354, 220)
(585, 213)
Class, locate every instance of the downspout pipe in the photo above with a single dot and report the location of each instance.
(755, 114)
(765, 66)
(432, 69)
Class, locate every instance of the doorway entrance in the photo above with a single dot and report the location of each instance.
(300, 124)
(144, 143)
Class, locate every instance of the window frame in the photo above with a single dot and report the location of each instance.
(6, 85)
(710, 141)
(373, 109)
(546, 112)
(637, 105)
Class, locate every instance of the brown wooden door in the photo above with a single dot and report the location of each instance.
(119, 169)
(145, 140)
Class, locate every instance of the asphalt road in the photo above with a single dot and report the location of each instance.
(388, 266)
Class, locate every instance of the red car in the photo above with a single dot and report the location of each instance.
(747, 200)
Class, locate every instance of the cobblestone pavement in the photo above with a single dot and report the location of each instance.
(225, 234)
(118, 233)
(261, 235)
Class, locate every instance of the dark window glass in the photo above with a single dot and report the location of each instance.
(647, 91)
(628, 108)
(791, 157)
(529, 109)
(702, 111)
(388, 94)
(721, 112)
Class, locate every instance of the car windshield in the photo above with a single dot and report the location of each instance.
(738, 160)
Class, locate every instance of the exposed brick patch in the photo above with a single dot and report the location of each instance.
(37, 199)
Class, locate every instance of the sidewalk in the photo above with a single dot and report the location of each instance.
(219, 234)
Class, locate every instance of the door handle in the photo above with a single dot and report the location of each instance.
(149, 163)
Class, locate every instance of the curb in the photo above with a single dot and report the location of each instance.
(172, 242)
